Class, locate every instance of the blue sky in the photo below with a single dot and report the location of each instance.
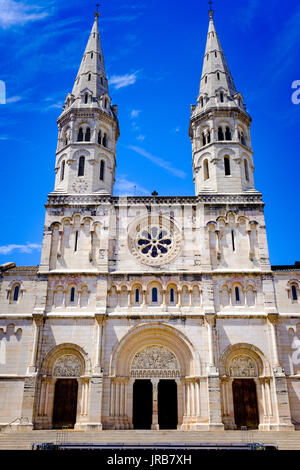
(153, 53)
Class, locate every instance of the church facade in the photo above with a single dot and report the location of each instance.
(152, 312)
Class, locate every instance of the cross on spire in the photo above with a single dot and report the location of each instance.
(210, 5)
(97, 14)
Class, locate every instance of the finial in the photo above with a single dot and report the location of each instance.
(155, 193)
(97, 14)
(211, 11)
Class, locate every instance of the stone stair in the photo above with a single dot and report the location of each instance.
(19, 440)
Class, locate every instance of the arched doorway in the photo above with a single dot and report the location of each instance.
(245, 403)
(167, 404)
(65, 403)
(142, 404)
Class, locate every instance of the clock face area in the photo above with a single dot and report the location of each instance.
(154, 240)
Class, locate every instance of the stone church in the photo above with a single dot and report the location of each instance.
(152, 312)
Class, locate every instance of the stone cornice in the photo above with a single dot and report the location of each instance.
(95, 199)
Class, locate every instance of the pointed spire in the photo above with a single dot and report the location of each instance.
(215, 72)
(91, 74)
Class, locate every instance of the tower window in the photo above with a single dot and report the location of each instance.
(154, 294)
(216, 54)
(62, 171)
(172, 297)
(86, 97)
(87, 136)
(92, 55)
(101, 80)
(232, 240)
(72, 295)
(99, 137)
(218, 76)
(81, 166)
(294, 292)
(16, 293)
(102, 169)
(137, 295)
(201, 102)
(203, 139)
(80, 135)
(208, 137)
(105, 104)
(237, 294)
(227, 165)
(206, 79)
(227, 134)
(222, 97)
(205, 169)
(220, 134)
(246, 169)
(89, 77)
(104, 143)
(76, 241)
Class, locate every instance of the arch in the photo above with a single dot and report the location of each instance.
(81, 164)
(205, 170)
(65, 349)
(145, 335)
(244, 350)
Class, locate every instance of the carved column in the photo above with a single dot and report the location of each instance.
(155, 424)
(37, 323)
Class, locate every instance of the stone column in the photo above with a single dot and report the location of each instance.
(283, 411)
(213, 381)
(37, 323)
(155, 424)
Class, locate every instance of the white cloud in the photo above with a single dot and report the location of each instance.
(159, 162)
(14, 13)
(141, 138)
(135, 113)
(13, 99)
(124, 187)
(28, 248)
(121, 81)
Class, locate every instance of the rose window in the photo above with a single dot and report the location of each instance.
(154, 242)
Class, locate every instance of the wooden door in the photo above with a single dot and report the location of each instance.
(167, 404)
(245, 403)
(142, 404)
(65, 403)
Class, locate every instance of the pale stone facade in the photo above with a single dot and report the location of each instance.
(152, 288)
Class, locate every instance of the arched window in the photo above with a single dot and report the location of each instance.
(203, 139)
(294, 292)
(104, 143)
(154, 294)
(216, 54)
(222, 97)
(89, 78)
(205, 169)
(81, 166)
(137, 295)
(237, 294)
(72, 295)
(242, 137)
(101, 80)
(201, 102)
(227, 134)
(172, 296)
(86, 97)
(87, 137)
(102, 169)
(16, 293)
(232, 240)
(99, 137)
(92, 55)
(246, 169)
(206, 79)
(208, 137)
(227, 165)
(62, 170)
(105, 104)
(80, 135)
(218, 76)
(220, 134)
(76, 241)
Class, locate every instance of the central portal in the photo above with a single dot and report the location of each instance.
(167, 404)
(142, 404)
(65, 403)
(245, 403)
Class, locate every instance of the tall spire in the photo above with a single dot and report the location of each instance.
(215, 72)
(91, 74)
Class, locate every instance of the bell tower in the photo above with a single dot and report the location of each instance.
(220, 127)
(88, 128)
